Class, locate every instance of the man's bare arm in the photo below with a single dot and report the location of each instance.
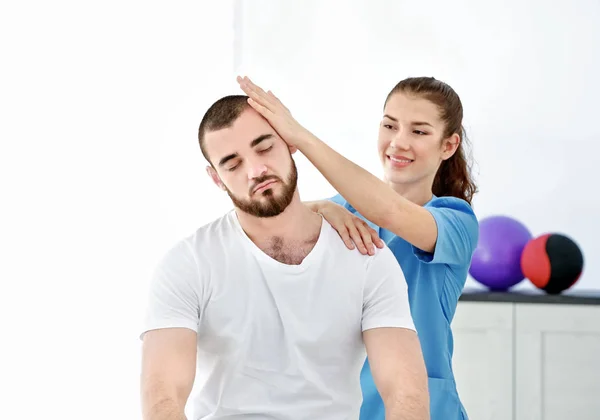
(399, 372)
(168, 372)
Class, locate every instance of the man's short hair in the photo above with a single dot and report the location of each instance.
(222, 114)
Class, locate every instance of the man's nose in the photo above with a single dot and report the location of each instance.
(256, 169)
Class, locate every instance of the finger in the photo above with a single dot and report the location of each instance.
(255, 88)
(376, 239)
(261, 109)
(258, 99)
(356, 238)
(346, 238)
(247, 86)
(251, 91)
(366, 237)
(268, 97)
(278, 101)
(257, 93)
(372, 233)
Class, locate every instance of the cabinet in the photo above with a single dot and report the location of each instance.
(528, 357)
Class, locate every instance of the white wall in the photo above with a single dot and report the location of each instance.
(100, 172)
(527, 72)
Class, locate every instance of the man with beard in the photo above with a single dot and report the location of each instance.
(265, 309)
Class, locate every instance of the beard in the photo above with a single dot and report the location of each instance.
(269, 204)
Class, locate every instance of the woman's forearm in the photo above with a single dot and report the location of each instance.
(370, 196)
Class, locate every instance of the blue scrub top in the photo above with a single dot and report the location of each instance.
(435, 282)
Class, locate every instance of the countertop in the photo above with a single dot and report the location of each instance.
(578, 297)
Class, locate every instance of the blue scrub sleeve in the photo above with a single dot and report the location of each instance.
(458, 232)
(338, 199)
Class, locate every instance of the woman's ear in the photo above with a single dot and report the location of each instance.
(450, 146)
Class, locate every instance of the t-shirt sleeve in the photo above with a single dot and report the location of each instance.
(385, 295)
(458, 232)
(174, 294)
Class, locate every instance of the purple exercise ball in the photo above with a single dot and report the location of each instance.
(496, 261)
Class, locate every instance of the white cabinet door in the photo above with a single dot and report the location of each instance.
(483, 358)
(557, 362)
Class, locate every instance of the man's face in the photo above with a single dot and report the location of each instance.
(253, 164)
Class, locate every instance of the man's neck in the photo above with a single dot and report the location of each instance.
(296, 223)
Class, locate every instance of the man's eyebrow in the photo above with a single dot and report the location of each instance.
(227, 159)
(259, 139)
(390, 117)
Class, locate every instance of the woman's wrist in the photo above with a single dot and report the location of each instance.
(305, 141)
(317, 206)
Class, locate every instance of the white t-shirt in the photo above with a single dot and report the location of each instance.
(276, 341)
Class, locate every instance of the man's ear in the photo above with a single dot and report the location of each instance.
(450, 145)
(215, 177)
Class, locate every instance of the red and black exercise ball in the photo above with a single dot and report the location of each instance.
(552, 262)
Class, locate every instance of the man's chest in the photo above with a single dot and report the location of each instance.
(255, 309)
(287, 252)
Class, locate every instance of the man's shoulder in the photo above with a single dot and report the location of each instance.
(208, 240)
(339, 250)
(384, 257)
(222, 225)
